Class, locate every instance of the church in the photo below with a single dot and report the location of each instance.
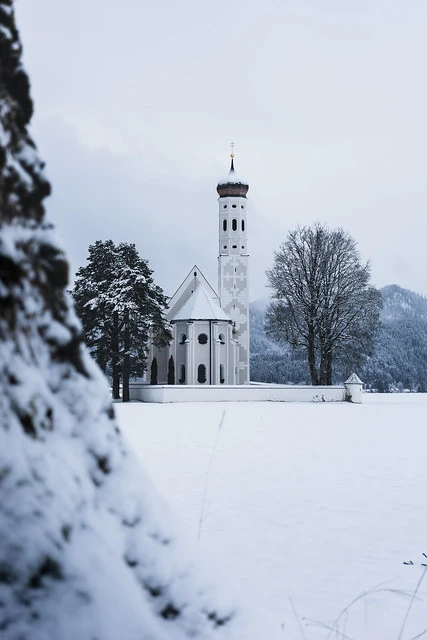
(210, 328)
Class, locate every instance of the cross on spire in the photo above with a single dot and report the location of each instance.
(232, 149)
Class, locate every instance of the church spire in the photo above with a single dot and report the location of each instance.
(232, 185)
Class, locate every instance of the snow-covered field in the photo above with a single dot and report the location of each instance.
(307, 506)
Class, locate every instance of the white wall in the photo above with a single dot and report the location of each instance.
(249, 393)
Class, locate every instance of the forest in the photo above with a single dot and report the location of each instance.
(398, 362)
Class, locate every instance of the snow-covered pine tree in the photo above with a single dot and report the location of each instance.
(87, 549)
(23, 185)
(93, 305)
(119, 305)
(141, 305)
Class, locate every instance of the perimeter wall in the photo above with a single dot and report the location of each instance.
(244, 393)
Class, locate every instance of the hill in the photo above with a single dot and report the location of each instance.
(400, 356)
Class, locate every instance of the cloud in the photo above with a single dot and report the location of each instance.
(136, 104)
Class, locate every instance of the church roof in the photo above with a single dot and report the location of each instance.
(186, 288)
(200, 306)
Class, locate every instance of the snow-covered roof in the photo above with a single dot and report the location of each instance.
(232, 178)
(200, 306)
(353, 379)
(186, 288)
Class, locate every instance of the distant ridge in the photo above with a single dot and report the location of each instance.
(399, 360)
(402, 303)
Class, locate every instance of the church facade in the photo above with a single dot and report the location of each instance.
(210, 329)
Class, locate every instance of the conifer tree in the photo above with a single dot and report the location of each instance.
(120, 305)
(93, 305)
(23, 185)
(80, 526)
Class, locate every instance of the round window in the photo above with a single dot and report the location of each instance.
(202, 338)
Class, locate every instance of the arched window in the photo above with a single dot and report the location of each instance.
(182, 338)
(234, 224)
(224, 225)
(181, 378)
(243, 225)
(221, 374)
(221, 338)
(201, 373)
(202, 338)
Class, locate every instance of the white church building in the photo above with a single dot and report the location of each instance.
(210, 328)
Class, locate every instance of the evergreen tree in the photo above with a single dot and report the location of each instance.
(120, 306)
(171, 371)
(80, 527)
(92, 300)
(23, 186)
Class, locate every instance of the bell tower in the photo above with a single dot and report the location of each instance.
(233, 264)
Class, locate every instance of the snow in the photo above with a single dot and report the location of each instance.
(232, 178)
(88, 549)
(200, 306)
(307, 506)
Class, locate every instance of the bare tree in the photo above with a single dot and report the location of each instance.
(322, 299)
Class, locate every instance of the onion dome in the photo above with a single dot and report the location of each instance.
(232, 185)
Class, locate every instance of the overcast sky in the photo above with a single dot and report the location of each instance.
(137, 101)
